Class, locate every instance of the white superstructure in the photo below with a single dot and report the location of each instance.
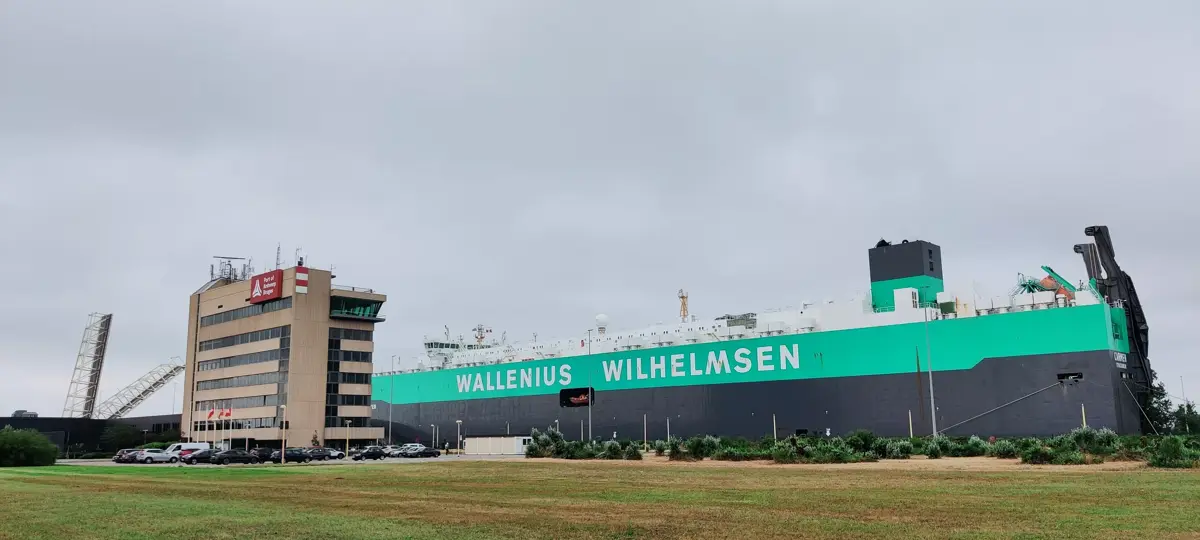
(482, 349)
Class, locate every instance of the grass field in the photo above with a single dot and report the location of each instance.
(958, 498)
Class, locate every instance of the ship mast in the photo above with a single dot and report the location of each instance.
(683, 307)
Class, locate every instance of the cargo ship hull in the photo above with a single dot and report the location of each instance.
(1034, 395)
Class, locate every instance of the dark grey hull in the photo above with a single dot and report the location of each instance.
(881, 403)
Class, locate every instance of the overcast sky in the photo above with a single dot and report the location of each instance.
(531, 165)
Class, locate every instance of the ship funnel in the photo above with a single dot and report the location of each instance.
(601, 322)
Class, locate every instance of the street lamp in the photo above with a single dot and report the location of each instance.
(283, 447)
(348, 436)
(433, 429)
(144, 432)
(459, 422)
(391, 395)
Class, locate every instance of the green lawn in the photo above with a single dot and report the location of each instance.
(554, 499)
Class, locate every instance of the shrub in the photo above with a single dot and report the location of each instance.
(675, 449)
(933, 449)
(1091, 441)
(632, 453)
(1172, 452)
(974, 447)
(611, 450)
(1005, 449)
(25, 448)
(861, 440)
(880, 446)
(900, 449)
(660, 448)
(918, 445)
(1069, 457)
(785, 453)
(702, 447)
(1038, 455)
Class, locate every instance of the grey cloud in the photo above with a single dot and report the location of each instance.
(532, 164)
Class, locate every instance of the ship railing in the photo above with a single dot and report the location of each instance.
(889, 309)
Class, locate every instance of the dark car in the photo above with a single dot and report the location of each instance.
(264, 454)
(199, 456)
(319, 454)
(125, 455)
(424, 451)
(233, 456)
(370, 452)
(293, 455)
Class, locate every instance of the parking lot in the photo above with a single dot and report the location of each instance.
(385, 461)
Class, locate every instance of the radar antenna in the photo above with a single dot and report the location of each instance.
(683, 305)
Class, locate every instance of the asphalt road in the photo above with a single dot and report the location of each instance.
(385, 461)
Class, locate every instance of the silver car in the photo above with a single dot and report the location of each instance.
(155, 455)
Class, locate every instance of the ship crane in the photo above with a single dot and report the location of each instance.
(683, 307)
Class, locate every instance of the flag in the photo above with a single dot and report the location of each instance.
(221, 414)
(581, 343)
(210, 413)
(229, 412)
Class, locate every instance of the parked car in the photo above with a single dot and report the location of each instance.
(400, 450)
(264, 454)
(125, 455)
(370, 452)
(155, 455)
(293, 455)
(392, 450)
(423, 451)
(181, 450)
(199, 456)
(318, 454)
(334, 453)
(233, 456)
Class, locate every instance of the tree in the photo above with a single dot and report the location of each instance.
(315, 441)
(118, 436)
(1159, 409)
(25, 448)
(1186, 420)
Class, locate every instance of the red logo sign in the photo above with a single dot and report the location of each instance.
(268, 286)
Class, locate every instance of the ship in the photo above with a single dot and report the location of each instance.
(905, 358)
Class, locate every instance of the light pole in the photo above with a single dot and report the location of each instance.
(433, 428)
(459, 422)
(283, 445)
(348, 436)
(391, 395)
(144, 432)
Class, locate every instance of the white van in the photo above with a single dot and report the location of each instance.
(180, 450)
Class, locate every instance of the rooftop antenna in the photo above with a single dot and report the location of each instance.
(225, 269)
(683, 306)
(278, 253)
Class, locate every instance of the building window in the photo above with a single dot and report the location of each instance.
(244, 359)
(237, 403)
(349, 333)
(248, 337)
(244, 380)
(241, 423)
(248, 311)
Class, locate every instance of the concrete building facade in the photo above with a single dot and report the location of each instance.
(283, 354)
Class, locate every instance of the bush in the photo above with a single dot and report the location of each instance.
(25, 448)
(933, 449)
(974, 447)
(701, 447)
(900, 449)
(1090, 441)
(611, 450)
(785, 453)
(1070, 457)
(1005, 449)
(660, 448)
(880, 446)
(1172, 452)
(632, 453)
(861, 440)
(1038, 455)
(675, 450)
